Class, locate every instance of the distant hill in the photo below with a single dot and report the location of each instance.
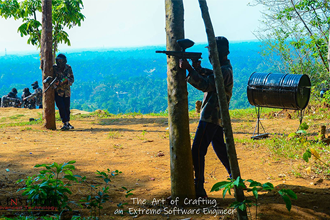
(128, 79)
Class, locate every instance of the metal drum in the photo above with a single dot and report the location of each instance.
(275, 90)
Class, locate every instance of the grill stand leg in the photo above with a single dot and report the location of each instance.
(301, 116)
(257, 127)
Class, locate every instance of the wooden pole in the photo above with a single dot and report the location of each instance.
(47, 64)
(231, 151)
(182, 179)
(322, 132)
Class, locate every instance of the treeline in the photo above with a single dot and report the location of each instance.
(129, 80)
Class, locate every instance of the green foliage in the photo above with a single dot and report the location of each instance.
(304, 126)
(16, 116)
(254, 187)
(282, 147)
(326, 97)
(26, 129)
(307, 155)
(98, 195)
(65, 14)
(286, 194)
(114, 135)
(47, 188)
(21, 124)
(295, 37)
(312, 152)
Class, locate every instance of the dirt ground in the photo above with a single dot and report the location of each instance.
(138, 146)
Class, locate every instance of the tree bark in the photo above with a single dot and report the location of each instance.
(47, 64)
(182, 180)
(231, 151)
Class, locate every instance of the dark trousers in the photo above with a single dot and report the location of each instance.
(207, 133)
(63, 105)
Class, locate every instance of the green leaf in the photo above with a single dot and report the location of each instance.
(69, 172)
(288, 192)
(237, 181)
(287, 202)
(254, 183)
(224, 192)
(302, 132)
(44, 171)
(268, 186)
(242, 207)
(20, 180)
(219, 185)
(70, 177)
(40, 165)
(70, 167)
(307, 155)
(255, 193)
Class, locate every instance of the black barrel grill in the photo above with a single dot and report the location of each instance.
(276, 90)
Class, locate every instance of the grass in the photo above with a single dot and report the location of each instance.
(282, 147)
(114, 134)
(14, 117)
(160, 114)
(21, 124)
(26, 129)
(106, 121)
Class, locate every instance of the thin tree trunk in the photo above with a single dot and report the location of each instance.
(47, 64)
(231, 151)
(182, 180)
(311, 35)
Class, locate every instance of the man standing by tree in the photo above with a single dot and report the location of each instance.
(65, 78)
(209, 129)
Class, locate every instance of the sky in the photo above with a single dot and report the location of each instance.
(135, 23)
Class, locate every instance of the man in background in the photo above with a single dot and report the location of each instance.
(31, 104)
(209, 129)
(37, 95)
(11, 99)
(65, 78)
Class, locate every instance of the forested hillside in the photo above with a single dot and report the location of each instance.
(130, 79)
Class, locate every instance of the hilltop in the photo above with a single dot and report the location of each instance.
(138, 146)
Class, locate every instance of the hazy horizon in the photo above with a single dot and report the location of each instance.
(69, 50)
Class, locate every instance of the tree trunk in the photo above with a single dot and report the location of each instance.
(231, 151)
(47, 64)
(182, 180)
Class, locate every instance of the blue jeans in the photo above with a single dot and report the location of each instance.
(207, 133)
(63, 105)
